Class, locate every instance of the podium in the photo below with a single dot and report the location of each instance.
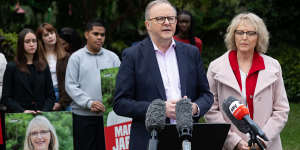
(205, 136)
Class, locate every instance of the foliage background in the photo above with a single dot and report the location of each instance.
(125, 24)
(124, 20)
(108, 82)
(16, 124)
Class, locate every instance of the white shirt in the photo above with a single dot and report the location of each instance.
(168, 67)
(52, 59)
(243, 82)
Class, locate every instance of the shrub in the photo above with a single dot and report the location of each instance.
(8, 44)
(289, 56)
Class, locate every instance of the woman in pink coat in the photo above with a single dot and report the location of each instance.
(255, 79)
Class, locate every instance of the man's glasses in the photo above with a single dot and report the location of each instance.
(162, 19)
(248, 33)
(42, 133)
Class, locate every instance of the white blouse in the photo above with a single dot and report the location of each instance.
(243, 81)
(52, 66)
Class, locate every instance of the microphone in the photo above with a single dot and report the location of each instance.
(184, 122)
(155, 121)
(240, 124)
(241, 113)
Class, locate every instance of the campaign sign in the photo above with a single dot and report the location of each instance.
(116, 128)
(39, 131)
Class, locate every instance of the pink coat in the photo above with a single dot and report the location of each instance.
(270, 101)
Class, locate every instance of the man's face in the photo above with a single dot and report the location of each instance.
(95, 38)
(184, 23)
(158, 30)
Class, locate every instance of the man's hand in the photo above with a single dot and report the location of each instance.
(97, 106)
(195, 108)
(170, 108)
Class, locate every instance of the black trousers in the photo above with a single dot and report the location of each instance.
(88, 132)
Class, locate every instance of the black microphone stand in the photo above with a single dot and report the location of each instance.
(253, 139)
(153, 141)
(186, 137)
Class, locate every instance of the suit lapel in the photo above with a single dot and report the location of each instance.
(181, 67)
(149, 54)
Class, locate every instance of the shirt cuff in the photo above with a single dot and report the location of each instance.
(89, 104)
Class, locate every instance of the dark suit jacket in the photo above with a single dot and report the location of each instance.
(139, 82)
(17, 94)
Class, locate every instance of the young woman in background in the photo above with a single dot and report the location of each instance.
(57, 59)
(185, 30)
(27, 84)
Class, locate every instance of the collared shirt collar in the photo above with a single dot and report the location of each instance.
(173, 44)
(99, 53)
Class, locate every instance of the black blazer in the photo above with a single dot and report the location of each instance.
(17, 94)
(139, 82)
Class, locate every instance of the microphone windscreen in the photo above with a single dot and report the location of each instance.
(184, 114)
(240, 124)
(156, 115)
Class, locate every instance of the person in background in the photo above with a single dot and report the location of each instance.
(27, 83)
(159, 68)
(71, 39)
(254, 78)
(57, 58)
(3, 63)
(83, 84)
(185, 30)
(40, 135)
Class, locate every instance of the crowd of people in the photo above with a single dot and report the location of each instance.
(52, 71)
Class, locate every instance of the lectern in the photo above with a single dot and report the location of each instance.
(205, 136)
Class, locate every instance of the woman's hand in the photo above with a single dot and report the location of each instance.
(242, 145)
(56, 106)
(29, 111)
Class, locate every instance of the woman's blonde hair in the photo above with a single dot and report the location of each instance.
(257, 23)
(41, 121)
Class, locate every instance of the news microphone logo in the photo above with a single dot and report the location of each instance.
(238, 110)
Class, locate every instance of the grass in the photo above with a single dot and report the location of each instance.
(290, 136)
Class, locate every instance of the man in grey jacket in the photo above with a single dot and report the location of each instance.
(83, 84)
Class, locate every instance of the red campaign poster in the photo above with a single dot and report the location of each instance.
(117, 136)
(116, 128)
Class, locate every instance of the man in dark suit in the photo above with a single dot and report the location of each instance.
(159, 68)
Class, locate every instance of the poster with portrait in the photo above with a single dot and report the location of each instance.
(53, 130)
(117, 128)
